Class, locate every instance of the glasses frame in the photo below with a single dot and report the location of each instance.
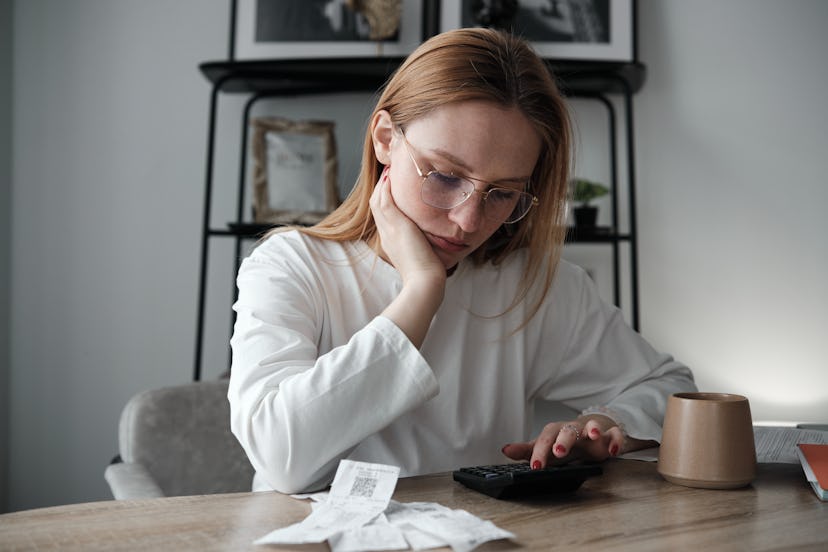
(484, 194)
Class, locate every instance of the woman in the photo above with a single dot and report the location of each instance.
(417, 324)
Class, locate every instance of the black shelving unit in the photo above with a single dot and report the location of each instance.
(280, 78)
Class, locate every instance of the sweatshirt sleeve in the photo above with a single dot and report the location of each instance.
(297, 410)
(609, 368)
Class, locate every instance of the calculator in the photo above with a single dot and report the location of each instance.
(518, 480)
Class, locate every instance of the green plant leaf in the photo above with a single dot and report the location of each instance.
(583, 191)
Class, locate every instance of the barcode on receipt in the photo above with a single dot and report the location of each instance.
(363, 486)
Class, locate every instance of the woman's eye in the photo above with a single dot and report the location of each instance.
(502, 194)
(447, 180)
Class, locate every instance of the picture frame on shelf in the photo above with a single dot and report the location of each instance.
(574, 30)
(290, 29)
(294, 170)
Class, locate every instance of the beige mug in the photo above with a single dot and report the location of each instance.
(707, 441)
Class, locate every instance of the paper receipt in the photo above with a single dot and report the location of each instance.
(359, 493)
(357, 514)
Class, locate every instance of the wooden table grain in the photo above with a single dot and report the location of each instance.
(629, 508)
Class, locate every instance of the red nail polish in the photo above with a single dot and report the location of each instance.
(536, 465)
(560, 449)
(614, 450)
(594, 432)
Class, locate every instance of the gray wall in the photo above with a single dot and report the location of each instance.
(109, 133)
(732, 128)
(108, 140)
(5, 230)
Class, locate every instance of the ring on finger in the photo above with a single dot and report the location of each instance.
(574, 430)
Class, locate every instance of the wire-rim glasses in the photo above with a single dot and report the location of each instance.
(447, 191)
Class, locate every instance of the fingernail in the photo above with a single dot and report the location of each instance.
(560, 449)
(536, 465)
(614, 450)
(594, 432)
(503, 450)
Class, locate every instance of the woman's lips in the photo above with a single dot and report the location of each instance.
(446, 244)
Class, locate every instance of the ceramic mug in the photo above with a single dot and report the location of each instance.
(707, 441)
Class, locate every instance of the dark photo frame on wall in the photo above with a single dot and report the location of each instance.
(290, 29)
(582, 30)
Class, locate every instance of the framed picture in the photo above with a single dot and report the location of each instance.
(279, 29)
(294, 170)
(590, 30)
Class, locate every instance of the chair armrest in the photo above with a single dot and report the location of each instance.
(130, 481)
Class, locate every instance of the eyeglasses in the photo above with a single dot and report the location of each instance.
(447, 191)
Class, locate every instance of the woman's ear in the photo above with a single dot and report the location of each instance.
(382, 132)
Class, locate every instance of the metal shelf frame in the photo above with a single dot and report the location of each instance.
(266, 79)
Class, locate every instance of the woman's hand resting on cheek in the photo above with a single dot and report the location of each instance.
(403, 243)
(592, 438)
(423, 275)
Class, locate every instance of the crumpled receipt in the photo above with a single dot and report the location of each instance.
(357, 514)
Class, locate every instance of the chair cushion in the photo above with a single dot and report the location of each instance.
(181, 435)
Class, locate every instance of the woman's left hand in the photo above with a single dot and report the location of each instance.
(592, 438)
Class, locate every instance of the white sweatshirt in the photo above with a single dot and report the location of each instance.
(318, 375)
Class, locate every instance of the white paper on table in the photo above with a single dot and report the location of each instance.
(418, 540)
(360, 492)
(377, 535)
(399, 513)
(645, 455)
(457, 528)
(778, 444)
(321, 496)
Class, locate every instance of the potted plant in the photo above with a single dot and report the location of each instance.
(582, 192)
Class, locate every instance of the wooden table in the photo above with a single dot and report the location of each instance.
(630, 507)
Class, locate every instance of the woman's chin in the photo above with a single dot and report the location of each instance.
(449, 261)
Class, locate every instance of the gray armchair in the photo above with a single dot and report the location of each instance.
(176, 441)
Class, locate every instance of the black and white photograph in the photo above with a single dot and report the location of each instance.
(278, 29)
(597, 30)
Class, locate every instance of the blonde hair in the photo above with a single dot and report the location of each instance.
(477, 64)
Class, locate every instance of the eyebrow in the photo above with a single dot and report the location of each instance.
(462, 164)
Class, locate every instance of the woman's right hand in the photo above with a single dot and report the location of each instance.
(406, 247)
(402, 241)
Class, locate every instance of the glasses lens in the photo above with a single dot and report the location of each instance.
(521, 209)
(448, 191)
(501, 204)
(445, 191)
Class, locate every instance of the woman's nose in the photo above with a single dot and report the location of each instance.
(469, 214)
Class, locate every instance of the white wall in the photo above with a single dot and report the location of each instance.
(109, 134)
(108, 145)
(732, 137)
